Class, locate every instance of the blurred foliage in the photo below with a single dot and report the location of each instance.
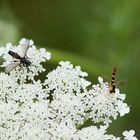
(94, 34)
(9, 25)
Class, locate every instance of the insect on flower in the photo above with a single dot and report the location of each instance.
(112, 83)
(19, 59)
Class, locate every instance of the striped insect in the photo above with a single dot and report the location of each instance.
(112, 83)
(20, 60)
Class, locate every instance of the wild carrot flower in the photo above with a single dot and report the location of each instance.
(58, 107)
(35, 56)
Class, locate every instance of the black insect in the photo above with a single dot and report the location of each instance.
(20, 60)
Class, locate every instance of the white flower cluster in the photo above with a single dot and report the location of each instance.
(106, 105)
(35, 57)
(57, 108)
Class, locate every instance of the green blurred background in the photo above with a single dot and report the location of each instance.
(94, 34)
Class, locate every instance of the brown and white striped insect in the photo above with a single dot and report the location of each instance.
(20, 60)
(112, 83)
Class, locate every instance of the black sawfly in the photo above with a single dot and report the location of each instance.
(19, 59)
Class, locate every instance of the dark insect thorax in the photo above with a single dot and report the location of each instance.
(25, 62)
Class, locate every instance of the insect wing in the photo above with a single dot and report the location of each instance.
(105, 78)
(121, 82)
(11, 66)
(25, 47)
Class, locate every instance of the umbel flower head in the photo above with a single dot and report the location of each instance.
(35, 56)
(58, 107)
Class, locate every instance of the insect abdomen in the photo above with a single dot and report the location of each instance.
(112, 84)
(15, 55)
